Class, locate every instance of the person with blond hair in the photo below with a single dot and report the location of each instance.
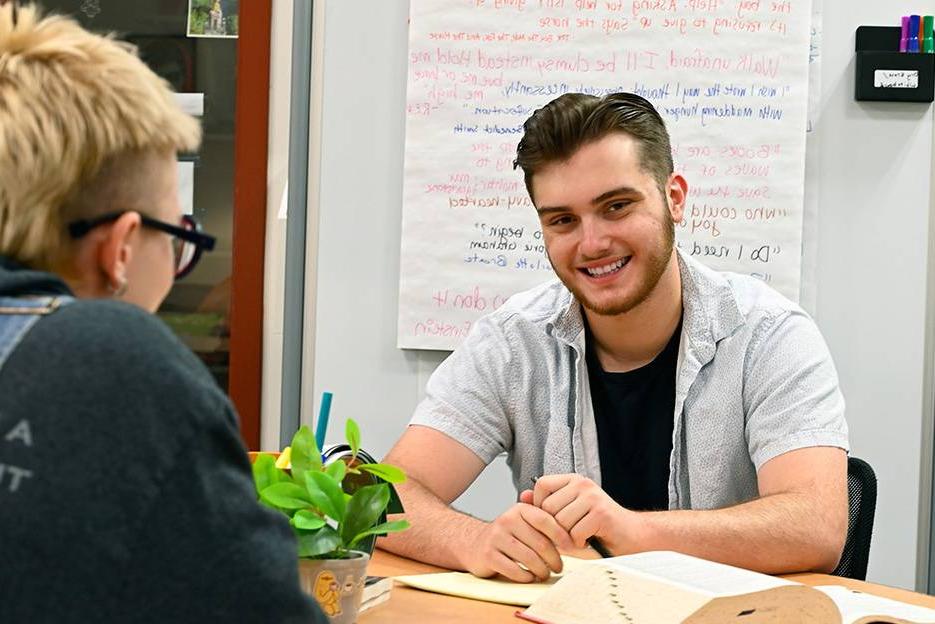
(125, 490)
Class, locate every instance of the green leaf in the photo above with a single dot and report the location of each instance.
(390, 474)
(305, 453)
(265, 472)
(326, 493)
(317, 543)
(380, 529)
(320, 501)
(352, 433)
(304, 519)
(269, 505)
(286, 495)
(364, 509)
(337, 469)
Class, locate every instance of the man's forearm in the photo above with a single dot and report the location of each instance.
(776, 534)
(438, 534)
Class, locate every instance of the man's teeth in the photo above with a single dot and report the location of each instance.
(610, 268)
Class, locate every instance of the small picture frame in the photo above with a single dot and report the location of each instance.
(215, 19)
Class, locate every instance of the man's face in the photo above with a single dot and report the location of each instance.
(608, 230)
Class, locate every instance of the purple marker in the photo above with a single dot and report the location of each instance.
(904, 37)
(912, 46)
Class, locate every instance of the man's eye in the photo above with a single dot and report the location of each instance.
(565, 220)
(617, 206)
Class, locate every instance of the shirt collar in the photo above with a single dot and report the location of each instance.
(710, 309)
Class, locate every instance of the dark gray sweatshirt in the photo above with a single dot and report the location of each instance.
(125, 491)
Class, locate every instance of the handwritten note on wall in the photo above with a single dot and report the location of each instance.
(730, 77)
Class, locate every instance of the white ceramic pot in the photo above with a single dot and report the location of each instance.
(336, 584)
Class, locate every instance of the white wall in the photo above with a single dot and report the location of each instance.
(873, 243)
(355, 354)
(871, 249)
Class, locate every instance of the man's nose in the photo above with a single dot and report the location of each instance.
(595, 238)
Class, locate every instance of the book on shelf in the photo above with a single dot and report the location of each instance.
(670, 588)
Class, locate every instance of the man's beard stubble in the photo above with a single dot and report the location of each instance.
(656, 267)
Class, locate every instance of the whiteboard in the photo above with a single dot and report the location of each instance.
(730, 79)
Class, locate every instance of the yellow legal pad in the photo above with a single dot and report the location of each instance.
(467, 585)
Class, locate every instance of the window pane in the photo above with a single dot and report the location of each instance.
(198, 307)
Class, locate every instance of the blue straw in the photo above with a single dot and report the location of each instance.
(323, 412)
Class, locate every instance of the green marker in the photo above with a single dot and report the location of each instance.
(928, 45)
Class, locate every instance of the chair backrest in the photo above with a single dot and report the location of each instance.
(862, 503)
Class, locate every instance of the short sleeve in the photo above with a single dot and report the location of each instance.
(791, 395)
(468, 397)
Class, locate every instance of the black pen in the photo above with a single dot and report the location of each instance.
(592, 541)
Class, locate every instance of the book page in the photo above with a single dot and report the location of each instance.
(671, 588)
(613, 595)
(855, 605)
(697, 575)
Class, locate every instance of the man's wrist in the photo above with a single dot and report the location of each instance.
(643, 530)
(466, 545)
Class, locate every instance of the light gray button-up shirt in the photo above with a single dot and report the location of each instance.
(754, 380)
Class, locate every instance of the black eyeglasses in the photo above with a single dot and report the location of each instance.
(188, 240)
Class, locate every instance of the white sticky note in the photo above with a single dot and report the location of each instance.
(896, 79)
(187, 187)
(191, 103)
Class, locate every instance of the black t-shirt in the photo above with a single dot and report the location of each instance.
(634, 416)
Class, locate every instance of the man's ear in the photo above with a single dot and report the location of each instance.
(116, 250)
(676, 194)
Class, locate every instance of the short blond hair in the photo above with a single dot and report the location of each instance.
(70, 102)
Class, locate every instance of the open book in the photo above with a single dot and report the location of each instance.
(670, 588)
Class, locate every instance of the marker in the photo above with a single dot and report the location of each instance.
(912, 45)
(324, 411)
(904, 36)
(928, 43)
(592, 541)
(596, 544)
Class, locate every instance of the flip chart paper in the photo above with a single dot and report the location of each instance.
(730, 77)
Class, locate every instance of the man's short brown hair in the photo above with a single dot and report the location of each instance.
(557, 130)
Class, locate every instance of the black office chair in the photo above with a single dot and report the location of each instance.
(862, 503)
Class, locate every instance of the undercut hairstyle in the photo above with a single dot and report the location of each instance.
(72, 104)
(560, 128)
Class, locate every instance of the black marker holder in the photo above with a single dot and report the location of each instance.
(877, 49)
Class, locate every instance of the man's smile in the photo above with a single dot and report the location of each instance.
(607, 269)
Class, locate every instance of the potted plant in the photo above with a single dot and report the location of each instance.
(334, 516)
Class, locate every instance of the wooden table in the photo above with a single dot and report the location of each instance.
(412, 605)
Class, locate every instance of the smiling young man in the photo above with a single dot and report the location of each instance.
(662, 405)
